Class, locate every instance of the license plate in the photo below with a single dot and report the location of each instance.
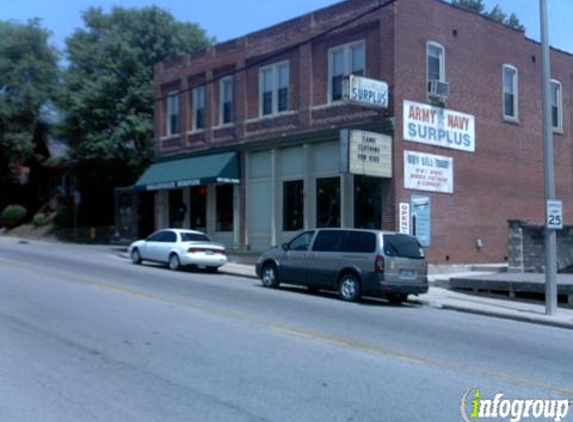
(408, 274)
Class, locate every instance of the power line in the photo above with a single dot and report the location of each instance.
(283, 51)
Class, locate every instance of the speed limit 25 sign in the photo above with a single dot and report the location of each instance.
(554, 214)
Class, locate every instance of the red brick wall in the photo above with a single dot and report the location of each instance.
(503, 178)
(308, 66)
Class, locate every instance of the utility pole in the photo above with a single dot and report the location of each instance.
(548, 166)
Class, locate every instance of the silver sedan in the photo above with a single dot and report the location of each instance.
(178, 248)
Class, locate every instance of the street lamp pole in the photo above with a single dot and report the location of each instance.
(548, 166)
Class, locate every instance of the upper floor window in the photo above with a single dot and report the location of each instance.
(556, 106)
(198, 108)
(342, 61)
(226, 100)
(273, 89)
(436, 63)
(172, 113)
(510, 93)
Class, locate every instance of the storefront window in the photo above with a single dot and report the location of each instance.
(293, 205)
(225, 208)
(328, 202)
(367, 202)
(199, 208)
(177, 209)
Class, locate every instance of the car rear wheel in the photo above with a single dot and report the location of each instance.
(136, 256)
(349, 288)
(174, 263)
(269, 276)
(397, 298)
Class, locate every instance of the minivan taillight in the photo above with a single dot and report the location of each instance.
(379, 265)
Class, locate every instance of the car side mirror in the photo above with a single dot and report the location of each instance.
(285, 247)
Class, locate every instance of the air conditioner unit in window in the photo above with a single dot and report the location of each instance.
(438, 90)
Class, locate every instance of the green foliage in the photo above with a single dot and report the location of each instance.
(496, 13)
(109, 82)
(28, 82)
(39, 219)
(64, 217)
(514, 22)
(474, 5)
(13, 216)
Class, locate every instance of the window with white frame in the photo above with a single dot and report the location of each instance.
(435, 62)
(510, 93)
(172, 113)
(556, 106)
(226, 100)
(198, 108)
(342, 61)
(274, 89)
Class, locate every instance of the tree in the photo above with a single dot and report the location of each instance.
(473, 5)
(496, 13)
(108, 99)
(109, 81)
(28, 83)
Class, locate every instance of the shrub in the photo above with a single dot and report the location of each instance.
(13, 215)
(40, 219)
(64, 217)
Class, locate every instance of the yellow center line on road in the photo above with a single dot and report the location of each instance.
(291, 330)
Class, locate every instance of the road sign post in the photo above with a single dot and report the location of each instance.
(548, 167)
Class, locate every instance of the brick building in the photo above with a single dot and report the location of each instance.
(249, 132)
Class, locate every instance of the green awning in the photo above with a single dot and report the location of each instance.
(191, 171)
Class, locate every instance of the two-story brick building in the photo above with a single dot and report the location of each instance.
(251, 133)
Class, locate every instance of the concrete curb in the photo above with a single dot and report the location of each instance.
(495, 314)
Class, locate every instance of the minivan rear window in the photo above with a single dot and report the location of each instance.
(360, 242)
(345, 241)
(402, 246)
(329, 241)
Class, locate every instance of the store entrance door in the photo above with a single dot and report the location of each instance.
(198, 211)
(367, 202)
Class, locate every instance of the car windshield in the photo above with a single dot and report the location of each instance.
(194, 237)
(402, 246)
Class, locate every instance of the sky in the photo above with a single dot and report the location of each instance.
(226, 19)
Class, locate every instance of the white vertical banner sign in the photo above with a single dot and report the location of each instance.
(404, 218)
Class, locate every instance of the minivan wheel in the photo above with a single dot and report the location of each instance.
(349, 288)
(136, 256)
(174, 263)
(269, 276)
(396, 298)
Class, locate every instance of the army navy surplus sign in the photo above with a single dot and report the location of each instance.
(438, 126)
(365, 153)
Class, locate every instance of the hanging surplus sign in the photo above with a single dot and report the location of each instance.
(366, 92)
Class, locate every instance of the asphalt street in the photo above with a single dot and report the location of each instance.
(88, 336)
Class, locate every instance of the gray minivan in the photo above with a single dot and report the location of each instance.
(352, 261)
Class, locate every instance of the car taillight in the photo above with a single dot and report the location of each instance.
(379, 264)
(197, 250)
